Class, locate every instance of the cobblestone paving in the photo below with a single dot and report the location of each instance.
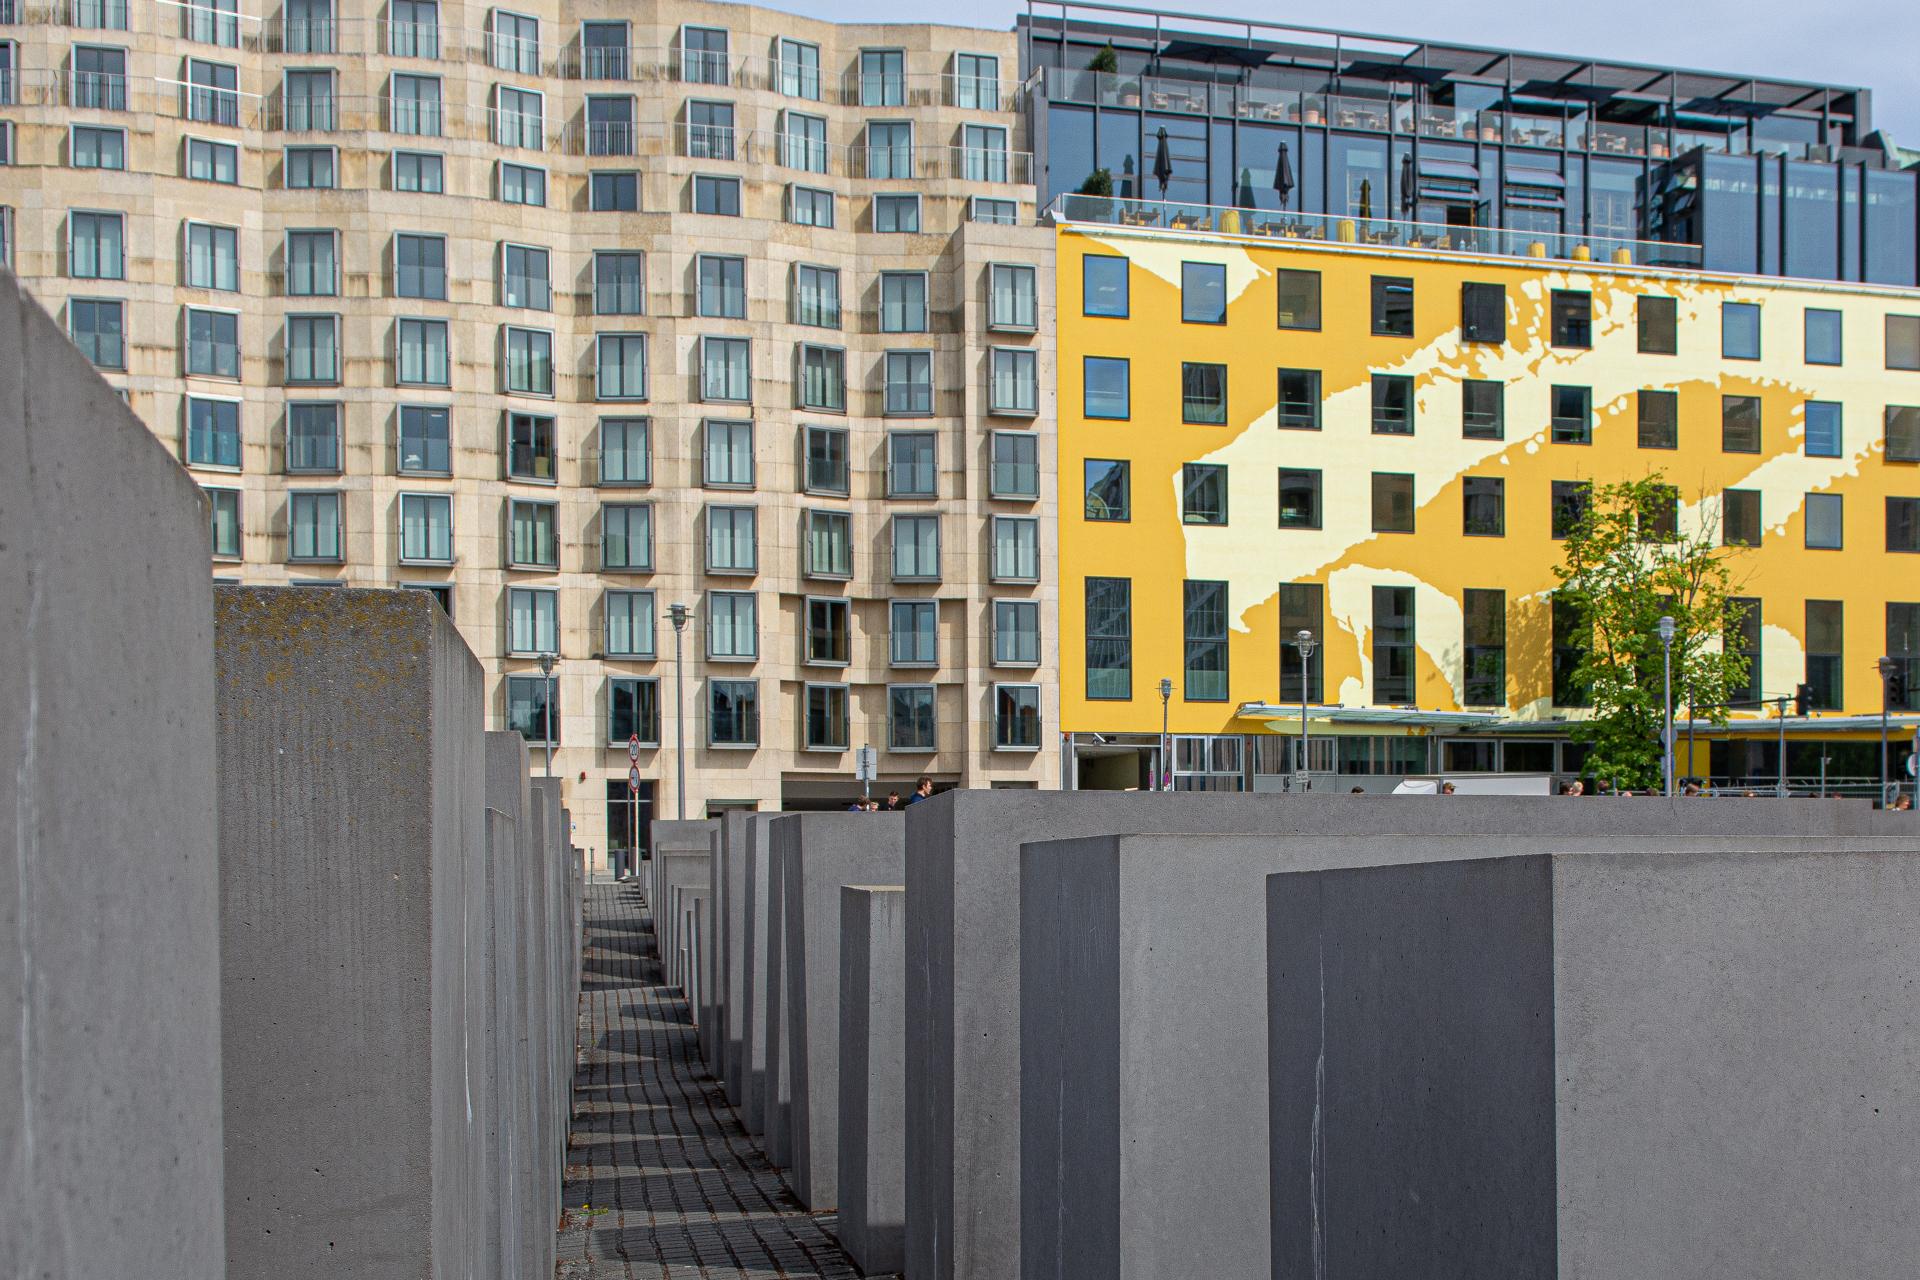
(662, 1182)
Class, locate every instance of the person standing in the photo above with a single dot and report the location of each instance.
(893, 800)
(922, 789)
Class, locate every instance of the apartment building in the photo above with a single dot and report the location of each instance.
(587, 318)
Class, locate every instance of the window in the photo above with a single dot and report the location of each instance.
(810, 207)
(1572, 318)
(529, 360)
(1299, 293)
(1107, 489)
(523, 278)
(1205, 614)
(910, 718)
(313, 268)
(1392, 502)
(1015, 382)
(1302, 608)
(308, 168)
(610, 120)
(799, 68)
(1016, 549)
(426, 528)
(1572, 637)
(1203, 293)
(1743, 637)
(307, 101)
(1823, 336)
(626, 537)
(1659, 413)
(1203, 393)
(909, 382)
(224, 511)
(213, 257)
(826, 718)
(413, 28)
(630, 624)
(1299, 499)
(1572, 409)
(517, 183)
(1483, 312)
(719, 196)
(1740, 424)
(619, 283)
(99, 15)
(1393, 632)
(1486, 647)
(94, 147)
(1484, 513)
(816, 296)
(1110, 639)
(95, 246)
(420, 266)
(212, 92)
(1903, 524)
(532, 447)
(206, 161)
(896, 213)
(1016, 633)
(703, 53)
(98, 328)
(515, 43)
(916, 548)
(1015, 471)
(912, 470)
(426, 173)
(976, 81)
(1483, 410)
(424, 448)
(829, 544)
(213, 343)
(1203, 493)
(1393, 306)
(620, 366)
(1657, 320)
(214, 22)
(1903, 433)
(313, 438)
(1105, 393)
(1903, 342)
(307, 26)
(890, 150)
(823, 378)
(710, 130)
(1392, 404)
(100, 79)
(1823, 428)
(532, 541)
(903, 302)
(1571, 500)
(422, 349)
(829, 642)
(883, 78)
(1016, 717)
(415, 105)
(983, 153)
(732, 545)
(1103, 286)
(1826, 649)
(6, 235)
(1740, 330)
(528, 712)
(826, 460)
(1658, 519)
(626, 451)
(633, 710)
(1298, 408)
(733, 630)
(913, 628)
(725, 369)
(722, 291)
(213, 433)
(1740, 524)
(313, 526)
(803, 141)
(1825, 521)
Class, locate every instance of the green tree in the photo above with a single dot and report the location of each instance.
(1628, 560)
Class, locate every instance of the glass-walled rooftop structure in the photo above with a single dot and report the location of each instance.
(1767, 176)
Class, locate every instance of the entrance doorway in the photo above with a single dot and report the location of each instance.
(626, 842)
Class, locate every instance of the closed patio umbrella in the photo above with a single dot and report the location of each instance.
(1243, 194)
(1366, 199)
(1283, 175)
(1406, 184)
(1162, 161)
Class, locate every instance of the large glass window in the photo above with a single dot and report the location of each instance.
(883, 78)
(1392, 502)
(1299, 293)
(529, 360)
(810, 207)
(714, 195)
(532, 540)
(305, 168)
(1823, 336)
(420, 266)
(909, 382)
(1299, 498)
(1016, 549)
(732, 541)
(630, 625)
(1743, 637)
(912, 464)
(829, 544)
(1103, 285)
(1298, 408)
(916, 548)
(1572, 312)
(903, 302)
(1016, 717)
(1740, 523)
(823, 378)
(207, 161)
(1012, 298)
(213, 433)
(829, 626)
(1740, 330)
(98, 328)
(1659, 419)
(413, 28)
(515, 43)
(1106, 393)
(422, 349)
(1108, 489)
(703, 55)
(1393, 646)
(1015, 472)
(826, 718)
(414, 105)
(722, 291)
(213, 92)
(610, 121)
(1016, 633)
(726, 371)
(528, 710)
(1903, 524)
(213, 343)
(733, 628)
(525, 282)
(1392, 404)
(1903, 342)
(1823, 421)
(1572, 410)
(1657, 322)
(213, 257)
(94, 147)
(896, 213)
(1203, 493)
(1740, 424)
(1903, 646)
(313, 349)
(1016, 382)
(1110, 638)
(1572, 637)
(913, 628)
(313, 527)
(816, 296)
(799, 67)
(983, 153)
(911, 723)
(517, 118)
(620, 366)
(426, 172)
(532, 447)
(633, 710)
(1203, 393)
(1203, 293)
(626, 537)
(532, 620)
(727, 460)
(424, 448)
(619, 283)
(514, 183)
(1484, 503)
(626, 455)
(1903, 433)
(976, 81)
(890, 150)
(1302, 608)
(1393, 306)
(1826, 523)
(1486, 647)
(826, 460)
(1205, 617)
(313, 438)
(99, 79)
(1483, 312)
(426, 528)
(1826, 654)
(224, 508)
(1483, 409)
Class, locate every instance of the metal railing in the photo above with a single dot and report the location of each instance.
(1383, 233)
(802, 82)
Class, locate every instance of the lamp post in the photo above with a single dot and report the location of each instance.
(1303, 641)
(1886, 696)
(546, 707)
(679, 613)
(1163, 771)
(1666, 705)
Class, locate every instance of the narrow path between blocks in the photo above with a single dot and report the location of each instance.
(662, 1182)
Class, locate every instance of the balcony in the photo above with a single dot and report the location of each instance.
(1371, 233)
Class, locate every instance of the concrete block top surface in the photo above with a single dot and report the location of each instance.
(380, 639)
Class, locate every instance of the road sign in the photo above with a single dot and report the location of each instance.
(866, 764)
(633, 748)
(633, 778)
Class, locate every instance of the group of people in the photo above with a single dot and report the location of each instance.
(922, 790)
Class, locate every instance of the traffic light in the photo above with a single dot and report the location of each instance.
(1897, 688)
(1802, 699)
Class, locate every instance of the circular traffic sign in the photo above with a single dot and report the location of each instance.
(633, 778)
(633, 747)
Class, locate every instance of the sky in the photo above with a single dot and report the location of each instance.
(1869, 43)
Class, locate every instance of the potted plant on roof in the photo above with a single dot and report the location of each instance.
(1098, 183)
(1106, 61)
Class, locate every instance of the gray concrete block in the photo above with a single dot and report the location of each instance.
(753, 981)
(555, 993)
(686, 871)
(963, 956)
(353, 935)
(873, 1104)
(1618, 1065)
(730, 951)
(778, 1143)
(110, 1108)
(818, 853)
(707, 1008)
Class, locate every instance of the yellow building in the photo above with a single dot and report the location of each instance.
(1365, 431)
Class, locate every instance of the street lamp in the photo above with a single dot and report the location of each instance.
(1886, 697)
(1666, 704)
(546, 709)
(1163, 771)
(680, 613)
(1304, 642)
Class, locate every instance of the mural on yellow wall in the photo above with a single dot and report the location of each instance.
(1254, 555)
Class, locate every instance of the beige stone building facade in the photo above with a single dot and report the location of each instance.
(575, 312)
